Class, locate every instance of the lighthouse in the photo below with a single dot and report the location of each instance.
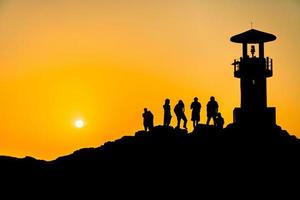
(253, 69)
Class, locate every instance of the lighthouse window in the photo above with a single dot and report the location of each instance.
(253, 82)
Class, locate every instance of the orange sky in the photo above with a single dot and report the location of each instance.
(104, 61)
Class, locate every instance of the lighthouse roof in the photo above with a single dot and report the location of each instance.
(253, 36)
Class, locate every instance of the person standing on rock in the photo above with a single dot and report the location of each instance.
(212, 110)
(179, 111)
(167, 113)
(147, 119)
(195, 106)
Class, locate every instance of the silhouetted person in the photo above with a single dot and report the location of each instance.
(212, 110)
(148, 119)
(252, 51)
(219, 121)
(179, 111)
(167, 113)
(195, 106)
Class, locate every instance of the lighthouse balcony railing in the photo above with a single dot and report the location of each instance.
(269, 67)
(237, 69)
(267, 63)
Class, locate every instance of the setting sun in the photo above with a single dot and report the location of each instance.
(79, 123)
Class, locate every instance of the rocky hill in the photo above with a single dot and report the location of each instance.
(166, 155)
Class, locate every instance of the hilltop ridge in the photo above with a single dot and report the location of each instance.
(166, 157)
(162, 145)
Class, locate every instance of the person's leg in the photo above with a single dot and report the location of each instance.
(178, 122)
(184, 120)
(215, 120)
(151, 125)
(168, 120)
(208, 119)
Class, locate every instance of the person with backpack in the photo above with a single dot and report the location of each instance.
(147, 119)
(179, 112)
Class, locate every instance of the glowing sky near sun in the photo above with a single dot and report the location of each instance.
(104, 61)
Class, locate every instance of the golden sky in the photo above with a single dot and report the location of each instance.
(104, 61)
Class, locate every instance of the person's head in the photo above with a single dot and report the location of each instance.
(212, 98)
(145, 109)
(196, 99)
(167, 101)
(180, 102)
(219, 114)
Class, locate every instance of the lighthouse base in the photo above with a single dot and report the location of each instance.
(266, 116)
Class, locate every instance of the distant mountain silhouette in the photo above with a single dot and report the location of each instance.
(166, 156)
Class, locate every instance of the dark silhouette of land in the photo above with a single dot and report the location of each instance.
(167, 157)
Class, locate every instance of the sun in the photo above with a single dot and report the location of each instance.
(79, 123)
